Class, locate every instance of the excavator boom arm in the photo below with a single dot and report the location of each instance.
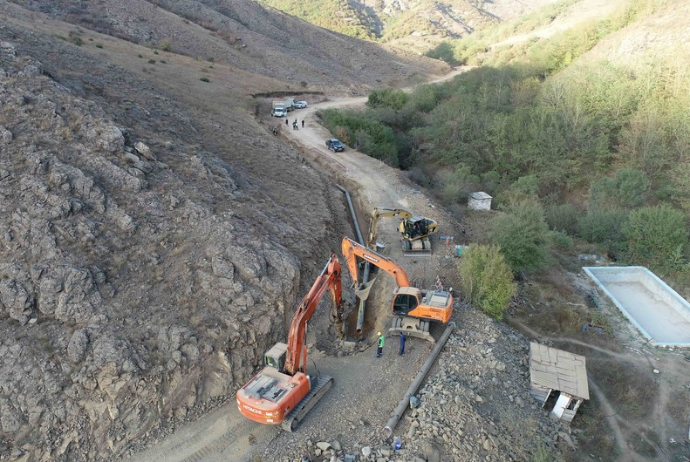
(329, 279)
(378, 213)
(352, 250)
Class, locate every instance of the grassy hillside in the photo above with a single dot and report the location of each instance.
(335, 15)
(601, 143)
(417, 25)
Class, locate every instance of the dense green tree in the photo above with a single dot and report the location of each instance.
(627, 189)
(656, 237)
(387, 97)
(563, 217)
(522, 233)
(602, 226)
(487, 280)
(443, 51)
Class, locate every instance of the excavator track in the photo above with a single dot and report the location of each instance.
(412, 328)
(293, 419)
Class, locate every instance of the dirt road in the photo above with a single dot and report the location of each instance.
(365, 389)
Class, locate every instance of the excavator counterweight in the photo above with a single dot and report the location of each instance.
(282, 393)
(414, 308)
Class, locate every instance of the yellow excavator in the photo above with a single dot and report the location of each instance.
(414, 231)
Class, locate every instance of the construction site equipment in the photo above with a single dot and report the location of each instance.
(414, 231)
(282, 393)
(414, 308)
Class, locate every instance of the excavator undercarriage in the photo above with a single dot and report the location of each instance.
(411, 327)
(419, 247)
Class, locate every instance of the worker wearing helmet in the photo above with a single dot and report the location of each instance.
(379, 350)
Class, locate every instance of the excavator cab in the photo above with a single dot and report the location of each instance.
(404, 303)
(417, 227)
(275, 357)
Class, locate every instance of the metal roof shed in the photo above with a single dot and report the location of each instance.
(558, 377)
(479, 201)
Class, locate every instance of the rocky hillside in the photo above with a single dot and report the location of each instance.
(147, 260)
(249, 37)
(409, 24)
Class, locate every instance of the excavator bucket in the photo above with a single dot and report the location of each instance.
(363, 290)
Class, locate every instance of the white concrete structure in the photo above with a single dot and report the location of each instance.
(479, 201)
(658, 312)
(560, 375)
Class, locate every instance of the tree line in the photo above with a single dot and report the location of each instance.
(570, 149)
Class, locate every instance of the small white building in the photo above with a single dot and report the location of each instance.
(479, 201)
(558, 380)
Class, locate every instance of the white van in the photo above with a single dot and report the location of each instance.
(279, 112)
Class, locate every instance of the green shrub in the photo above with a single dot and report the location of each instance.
(487, 280)
(141, 56)
(455, 186)
(627, 189)
(602, 226)
(211, 59)
(165, 45)
(388, 97)
(205, 79)
(443, 51)
(155, 52)
(99, 45)
(152, 61)
(563, 218)
(562, 240)
(423, 98)
(521, 233)
(490, 181)
(656, 237)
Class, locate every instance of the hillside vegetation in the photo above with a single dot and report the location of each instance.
(417, 24)
(602, 143)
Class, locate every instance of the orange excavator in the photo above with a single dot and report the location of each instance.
(414, 308)
(282, 393)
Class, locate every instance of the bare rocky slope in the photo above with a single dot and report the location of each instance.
(247, 36)
(146, 264)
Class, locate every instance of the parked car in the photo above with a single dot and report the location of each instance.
(300, 104)
(279, 112)
(335, 145)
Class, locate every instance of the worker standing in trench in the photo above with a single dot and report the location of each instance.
(379, 350)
